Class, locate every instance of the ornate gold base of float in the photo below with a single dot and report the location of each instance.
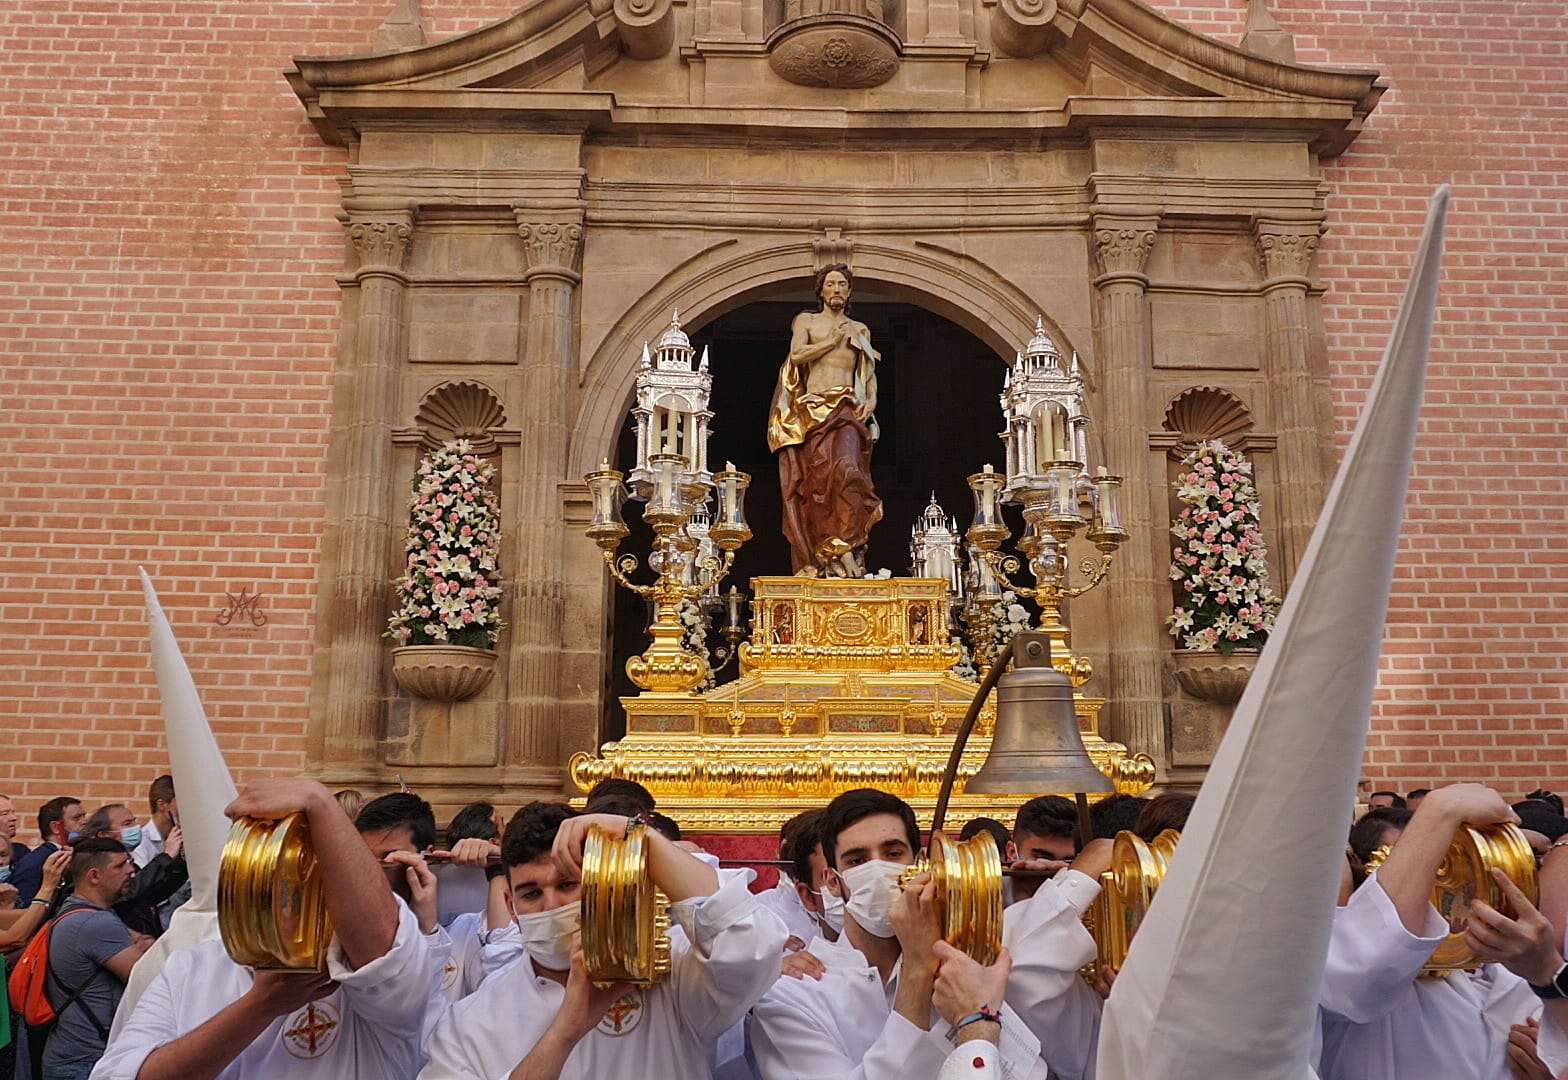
(845, 683)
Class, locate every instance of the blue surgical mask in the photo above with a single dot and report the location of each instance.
(72, 837)
(5, 873)
(131, 837)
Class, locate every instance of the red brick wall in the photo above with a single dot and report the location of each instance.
(168, 313)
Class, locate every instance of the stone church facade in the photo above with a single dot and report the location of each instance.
(518, 207)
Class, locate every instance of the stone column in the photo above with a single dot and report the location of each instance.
(1121, 246)
(552, 245)
(361, 469)
(1286, 248)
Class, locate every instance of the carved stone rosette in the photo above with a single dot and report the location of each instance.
(837, 50)
(1022, 28)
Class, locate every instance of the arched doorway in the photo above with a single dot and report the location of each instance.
(937, 387)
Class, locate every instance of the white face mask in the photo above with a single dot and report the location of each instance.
(547, 935)
(873, 886)
(832, 914)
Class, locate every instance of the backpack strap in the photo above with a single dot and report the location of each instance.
(73, 994)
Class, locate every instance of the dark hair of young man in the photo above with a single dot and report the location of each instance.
(623, 790)
(400, 809)
(1421, 793)
(1399, 800)
(665, 825)
(805, 821)
(998, 831)
(53, 811)
(476, 821)
(98, 823)
(1367, 834)
(1168, 811)
(803, 840)
(160, 790)
(620, 805)
(1543, 795)
(1540, 816)
(531, 832)
(93, 853)
(1114, 814)
(852, 806)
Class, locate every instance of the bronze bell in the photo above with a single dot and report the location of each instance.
(1036, 746)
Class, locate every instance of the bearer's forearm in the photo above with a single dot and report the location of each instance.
(203, 1053)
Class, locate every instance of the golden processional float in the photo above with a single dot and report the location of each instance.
(844, 682)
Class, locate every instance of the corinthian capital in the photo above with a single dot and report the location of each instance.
(1286, 247)
(1122, 244)
(552, 246)
(381, 243)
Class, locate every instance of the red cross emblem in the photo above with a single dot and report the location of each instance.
(623, 1017)
(311, 1032)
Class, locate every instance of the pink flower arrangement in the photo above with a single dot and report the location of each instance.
(450, 585)
(1225, 601)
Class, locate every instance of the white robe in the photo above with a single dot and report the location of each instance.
(784, 902)
(368, 1027)
(1049, 945)
(732, 955)
(843, 1027)
(1382, 1022)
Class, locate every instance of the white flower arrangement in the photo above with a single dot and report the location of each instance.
(1004, 620)
(1224, 601)
(694, 638)
(450, 587)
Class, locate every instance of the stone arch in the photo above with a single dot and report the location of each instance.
(725, 276)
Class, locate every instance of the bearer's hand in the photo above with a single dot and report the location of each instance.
(568, 849)
(963, 985)
(174, 843)
(275, 798)
(1526, 944)
(917, 924)
(1524, 1063)
(278, 993)
(421, 887)
(1104, 980)
(1047, 868)
(471, 851)
(798, 965)
(1094, 859)
(585, 1004)
(9, 893)
(1467, 804)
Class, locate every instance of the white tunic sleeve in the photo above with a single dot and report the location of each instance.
(392, 990)
(1049, 944)
(1373, 960)
(794, 1041)
(737, 950)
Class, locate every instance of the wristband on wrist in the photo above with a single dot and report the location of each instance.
(985, 1012)
(1561, 841)
(637, 821)
(1556, 987)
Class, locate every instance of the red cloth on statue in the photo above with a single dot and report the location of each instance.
(827, 489)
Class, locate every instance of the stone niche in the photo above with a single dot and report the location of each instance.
(524, 206)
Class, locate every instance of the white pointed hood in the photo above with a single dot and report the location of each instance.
(204, 787)
(1222, 978)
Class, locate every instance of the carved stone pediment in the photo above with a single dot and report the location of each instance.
(1074, 66)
